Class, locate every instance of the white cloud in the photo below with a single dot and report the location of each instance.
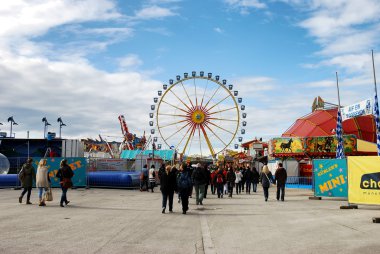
(344, 29)
(130, 61)
(32, 18)
(257, 4)
(154, 12)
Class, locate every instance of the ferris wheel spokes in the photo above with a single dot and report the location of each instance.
(207, 110)
(215, 135)
(191, 102)
(162, 114)
(208, 122)
(220, 111)
(174, 106)
(204, 93)
(211, 97)
(222, 119)
(207, 140)
(191, 134)
(180, 100)
(183, 127)
(186, 120)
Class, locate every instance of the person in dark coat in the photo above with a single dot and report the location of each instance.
(280, 177)
(199, 178)
(248, 180)
(184, 186)
(27, 175)
(244, 179)
(65, 173)
(255, 179)
(219, 181)
(168, 186)
(266, 178)
(208, 180)
(231, 177)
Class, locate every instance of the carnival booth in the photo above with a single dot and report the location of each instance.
(313, 137)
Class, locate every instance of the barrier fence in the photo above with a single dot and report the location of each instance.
(299, 182)
(117, 173)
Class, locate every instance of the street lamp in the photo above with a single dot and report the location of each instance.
(46, 124)
(12, 121)
(59, 120)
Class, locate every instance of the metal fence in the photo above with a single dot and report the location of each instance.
(299, 182)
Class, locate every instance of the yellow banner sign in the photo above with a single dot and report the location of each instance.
(364, 180)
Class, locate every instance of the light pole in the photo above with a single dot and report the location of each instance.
(46, 124)
(59, 120)
(12, 121)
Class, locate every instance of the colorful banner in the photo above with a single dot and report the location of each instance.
(364, 180)
(329, 144)
(330, 177)
(358, 109)
(78, 165)
(287, 145)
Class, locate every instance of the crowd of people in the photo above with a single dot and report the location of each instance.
(223, 180)
(28, 175)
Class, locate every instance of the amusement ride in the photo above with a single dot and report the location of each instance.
(198, 114)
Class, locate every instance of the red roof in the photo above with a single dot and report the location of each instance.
(322, 122)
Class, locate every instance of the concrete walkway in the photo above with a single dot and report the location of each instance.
(129, 221)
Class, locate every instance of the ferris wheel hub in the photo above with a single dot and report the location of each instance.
(198, 116)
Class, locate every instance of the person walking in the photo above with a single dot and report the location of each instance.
(65, 173)
(208, 180)
(27, 175)
(280, 177)
(230, 181)
(152, 177)
(219, 181)
(42, 181)
(244, 179)
(199, 179)
(255, 179)
(248, 180)
(184, 186)
(238, 181)
(213, 187)
(144, 178)
(167, 187)
(266, 178)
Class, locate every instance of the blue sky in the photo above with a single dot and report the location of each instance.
(89, 61)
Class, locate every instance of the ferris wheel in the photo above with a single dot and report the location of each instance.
(198, 115)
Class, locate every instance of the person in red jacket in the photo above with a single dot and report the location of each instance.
(219, 181)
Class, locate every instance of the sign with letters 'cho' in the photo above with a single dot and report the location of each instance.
(364, 180)
(330, 177)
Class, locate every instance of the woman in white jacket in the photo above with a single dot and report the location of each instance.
(152, 178)
(42, 181)
(239, 177)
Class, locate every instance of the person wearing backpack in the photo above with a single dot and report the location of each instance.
(27, 175)
(199, 179)
(184, 186)
(219, 181)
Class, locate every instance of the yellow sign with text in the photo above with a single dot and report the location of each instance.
(364, 180)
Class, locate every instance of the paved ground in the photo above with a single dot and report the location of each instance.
(128, 221)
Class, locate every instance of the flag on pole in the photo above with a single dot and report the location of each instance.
(376, 111)
(339, 136)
